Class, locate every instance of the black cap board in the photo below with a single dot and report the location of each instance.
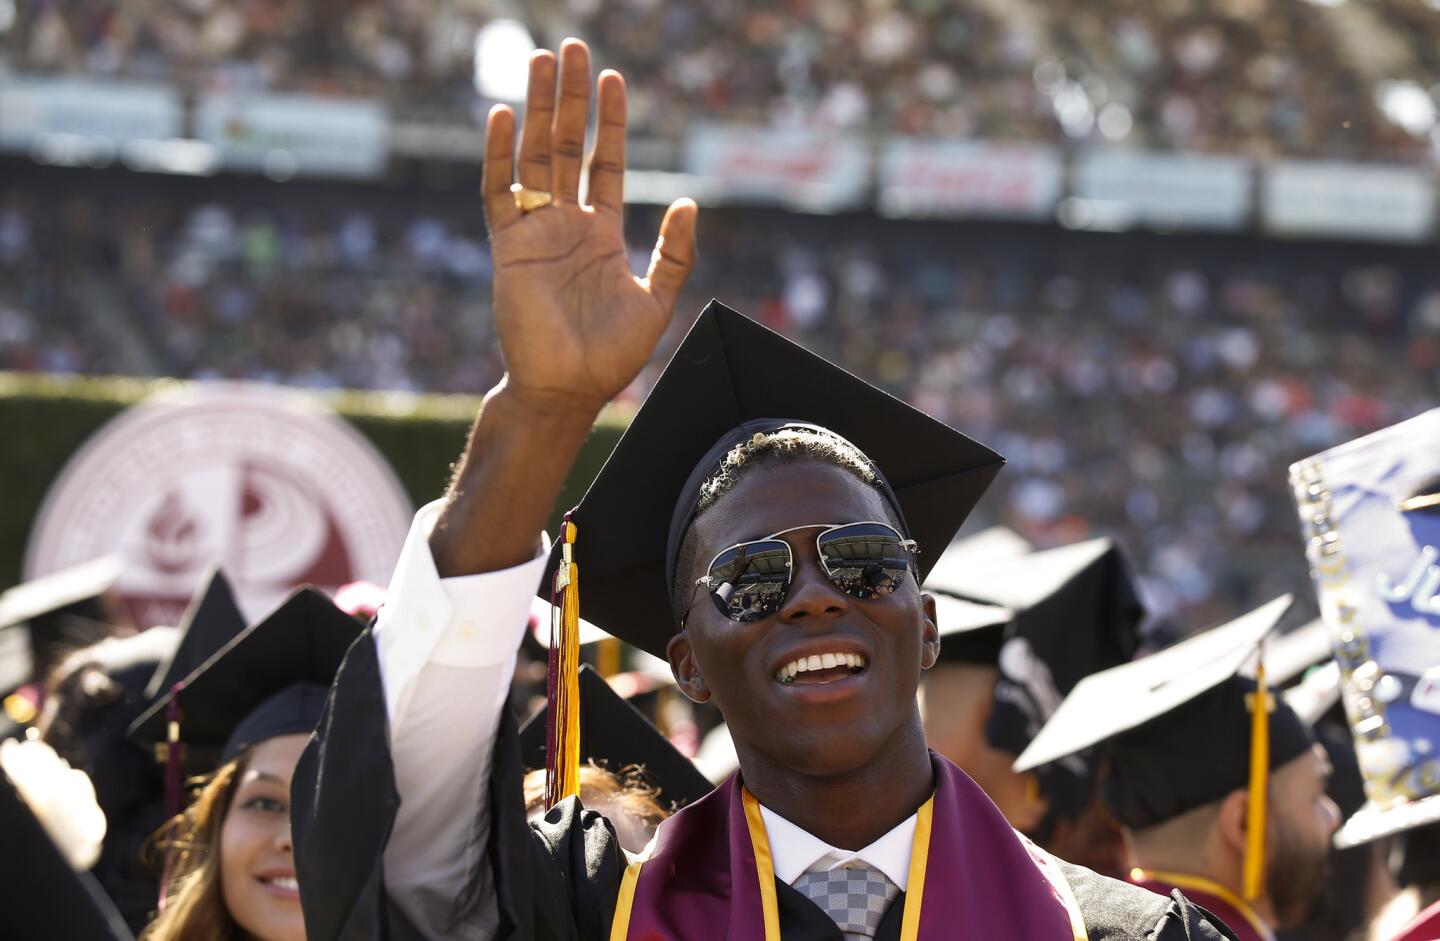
(45, 898)
(1289, 655)
(1176, 724)
(210, 621)
(270, 680)
(970, 631)
(730, 371)
(55, 613)
(615, 735)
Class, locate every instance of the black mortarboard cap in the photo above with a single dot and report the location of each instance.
(272, 679)
(210, 622)
(60, 611)
(615, 735)
(45, 897)
(1176, 725)
(1076, 612)
(729, 378)
(1289, 655)
(970, 631)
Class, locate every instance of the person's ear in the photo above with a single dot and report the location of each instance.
(930, 632)
(686, 668)
(1231, 820)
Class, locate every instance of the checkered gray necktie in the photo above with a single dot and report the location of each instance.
(855, 895)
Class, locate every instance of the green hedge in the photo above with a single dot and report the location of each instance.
(44, 419)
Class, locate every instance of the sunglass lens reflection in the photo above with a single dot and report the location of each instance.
(865, 560)
(749, 581)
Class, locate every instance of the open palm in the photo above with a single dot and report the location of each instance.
(573, 321)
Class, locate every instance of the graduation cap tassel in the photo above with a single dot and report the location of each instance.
(562, 751)
(1254, 873)
(174, 782)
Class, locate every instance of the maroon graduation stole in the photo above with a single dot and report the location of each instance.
(972, 877)
(1211, 896)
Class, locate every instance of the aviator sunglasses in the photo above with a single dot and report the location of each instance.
(750, 580)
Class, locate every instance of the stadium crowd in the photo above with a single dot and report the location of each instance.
(1133, 382)
(1238, 76)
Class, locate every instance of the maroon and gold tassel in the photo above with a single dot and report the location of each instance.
(1254, 873)
(562, 725)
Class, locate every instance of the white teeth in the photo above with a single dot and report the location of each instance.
(285, 883)
(789, 671)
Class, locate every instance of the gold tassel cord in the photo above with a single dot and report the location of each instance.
(563, 768)
(1259, 783)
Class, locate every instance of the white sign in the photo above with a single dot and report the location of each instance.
(289, 135)
(32, 109)
(939, 178)
(1348, 200)
(263, 480)
(805, 170)
(1168, 190)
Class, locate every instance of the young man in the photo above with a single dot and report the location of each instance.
(770, 559)
(1179, 729)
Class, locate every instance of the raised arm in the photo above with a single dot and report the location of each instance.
(575, 327)
(575, 324)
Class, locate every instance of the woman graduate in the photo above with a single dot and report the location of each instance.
(763, 524)
(243, 718)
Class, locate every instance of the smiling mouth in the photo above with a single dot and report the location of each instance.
(281, 883)
(821, 668)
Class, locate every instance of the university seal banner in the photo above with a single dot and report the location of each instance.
(1370, 511)
(266, 481)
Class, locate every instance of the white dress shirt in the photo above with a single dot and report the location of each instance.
(447, 649)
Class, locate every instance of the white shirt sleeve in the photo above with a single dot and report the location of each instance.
(447, 649)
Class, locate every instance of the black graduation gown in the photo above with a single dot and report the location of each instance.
(556, 879)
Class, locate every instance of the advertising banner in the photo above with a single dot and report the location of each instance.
(1182, 191)
(294, 135)
(805, 170)
(1348, 200)
(113, 112)
(945, 178)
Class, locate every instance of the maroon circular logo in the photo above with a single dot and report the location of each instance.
(266, 481)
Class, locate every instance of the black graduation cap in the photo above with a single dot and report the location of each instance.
(729, 372)
(210, 621)
(55, 613)
(1289, 655)
(1076, 612)
(615, 735)
(970, 631)
(1178, 726)
(270, 680)
(45, 897)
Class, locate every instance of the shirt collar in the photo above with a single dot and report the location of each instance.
(795, 851)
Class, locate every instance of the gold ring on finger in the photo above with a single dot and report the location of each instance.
(528, 200)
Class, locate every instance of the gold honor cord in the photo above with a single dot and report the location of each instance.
(1254, 874)
(563, 771)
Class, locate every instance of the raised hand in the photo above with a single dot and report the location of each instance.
(574, 323)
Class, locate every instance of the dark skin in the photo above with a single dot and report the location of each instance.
(845, 761)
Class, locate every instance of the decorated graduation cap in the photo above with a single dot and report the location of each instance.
(45, 897)
(616, 735)
(1076, 612)
(210, 621)
(1370, 513)
(1156, 714)
(731, 379)
(272, 679)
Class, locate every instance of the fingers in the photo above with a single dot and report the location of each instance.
(567, 135)
(534, 155)
(607, 160)
(674, 254)
(495, 176)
